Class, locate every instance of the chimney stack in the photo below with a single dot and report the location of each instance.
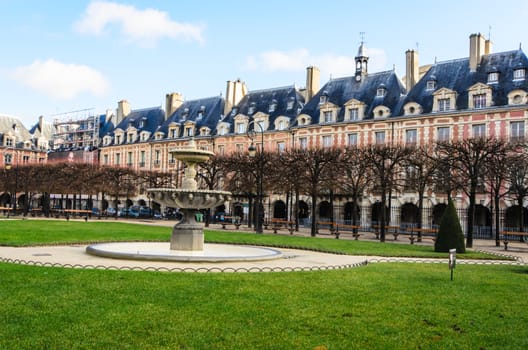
(312, 82)
(123, 110)
(235, 91)
(173, 101)
(477, 49)
(412, 69)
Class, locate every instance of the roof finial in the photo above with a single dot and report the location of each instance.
(489, 32)
(362, 35)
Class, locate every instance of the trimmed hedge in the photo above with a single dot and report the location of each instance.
(450, 234)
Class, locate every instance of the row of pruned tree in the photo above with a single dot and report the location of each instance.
(471, 166)
(77, 179)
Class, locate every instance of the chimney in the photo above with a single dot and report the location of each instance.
(41, 123)
(173, 101)
(235, 91)
(123, 109)
(489, 47)
(412, 71)
(312, 82)
(477, 46)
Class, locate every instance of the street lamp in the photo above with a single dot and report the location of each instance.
(13, 198)
(252, 151)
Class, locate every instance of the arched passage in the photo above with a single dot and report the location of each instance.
(325, 211)
(438, 212)
(348, 213)
(279, 209)
(376, 213)
(304, 210)
(512, 217)
(409, 214)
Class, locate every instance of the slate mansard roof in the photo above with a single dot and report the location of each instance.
(205, 112)
(147, 119)
(340, 91)
(287, 101)
(455, 75)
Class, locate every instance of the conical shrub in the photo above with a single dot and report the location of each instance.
(450, 234)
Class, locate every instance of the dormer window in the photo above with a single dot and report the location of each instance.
(189, 131)
(493, 77)
(519, 74)
(324, 98)
(201, 112)
(234, 112)
(185, 114)
(431, 84)
(142, 123)
(381, 91)
(272, 106)
(252, 108)
(291, 103)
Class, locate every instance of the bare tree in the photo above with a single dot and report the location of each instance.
(385, 161)
(470, 157)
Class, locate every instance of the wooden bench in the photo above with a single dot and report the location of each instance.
(228, 220)
(348, 228)
(277, 224)
(507, 236)
(388, 229)
(420, 234)
(325, 225)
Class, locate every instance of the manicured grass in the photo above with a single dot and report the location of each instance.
(379, 306)
(38, 232)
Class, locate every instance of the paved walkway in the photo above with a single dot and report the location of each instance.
(74, 256)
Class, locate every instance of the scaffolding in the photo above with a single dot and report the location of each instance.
(76, 130)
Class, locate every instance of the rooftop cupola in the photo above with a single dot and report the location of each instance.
(361, 62)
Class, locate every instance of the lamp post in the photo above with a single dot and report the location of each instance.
(252, 150)
(8, 167)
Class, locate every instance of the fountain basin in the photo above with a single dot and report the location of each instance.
(159, 251)
(186, 198)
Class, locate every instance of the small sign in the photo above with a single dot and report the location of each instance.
(452, 261)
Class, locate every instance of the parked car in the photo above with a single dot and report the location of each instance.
(110, 211)
(124, 212)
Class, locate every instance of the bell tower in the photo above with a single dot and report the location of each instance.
(361, 60)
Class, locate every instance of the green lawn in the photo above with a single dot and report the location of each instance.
(37, 232)
(378, 306)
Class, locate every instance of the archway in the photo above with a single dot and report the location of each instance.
(129, 203)
(5, 199)
(348, 213)
(409, 214)
(512, 220)
(238, 210)
(142, 202)
(376, 213)
(279, 209)
(438, 212)
(304, 210)
(325, 211)
(482, 223)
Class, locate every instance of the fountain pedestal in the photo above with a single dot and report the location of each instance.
(187, 234)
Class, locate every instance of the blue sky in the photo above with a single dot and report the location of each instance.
(62, 56)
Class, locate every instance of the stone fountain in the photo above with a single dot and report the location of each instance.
(188, 234)
(187, 239)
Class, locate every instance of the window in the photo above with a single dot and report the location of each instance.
(234, 112)
(327, 141)
(142, 159)
(479, 130)
(519, 74)
(129, 158)
(380, 137)
(479, 101)
(380, 92)
(493, 77)
(354, 113)
(410, 137)
(291, 103)
(241, 128)
(25, 159)
(201, 112)
(352, 139)
(303, 142)
(328, 116)
(189, 131)
(142, 124)
(444, 104)
(431, 85)
(281, 146)
(172, 160)
(442, 134)
(282, 125)
(105, 159)
(324, 98)
(8, 158)
(221, 149)
(118, 139)
(252, 108)
(156, 157)
(517, 131)
(9, 141)
(261, 127)
(118, 158)
(272, 106)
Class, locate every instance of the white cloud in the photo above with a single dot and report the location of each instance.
(144, 27)
(298, 60)
(61, 80)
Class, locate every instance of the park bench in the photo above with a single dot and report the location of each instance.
(277, 224)
(230, 220)
(421, 233)
(508, 236)
(326, 225)
(388, 229)
(340, 228)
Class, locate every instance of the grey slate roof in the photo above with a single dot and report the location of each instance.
(261, 100)
(151, 118)
(455, 75)
(6, 125)
(212, 107)
(341, 90)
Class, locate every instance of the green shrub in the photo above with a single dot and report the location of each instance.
(450, 233)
